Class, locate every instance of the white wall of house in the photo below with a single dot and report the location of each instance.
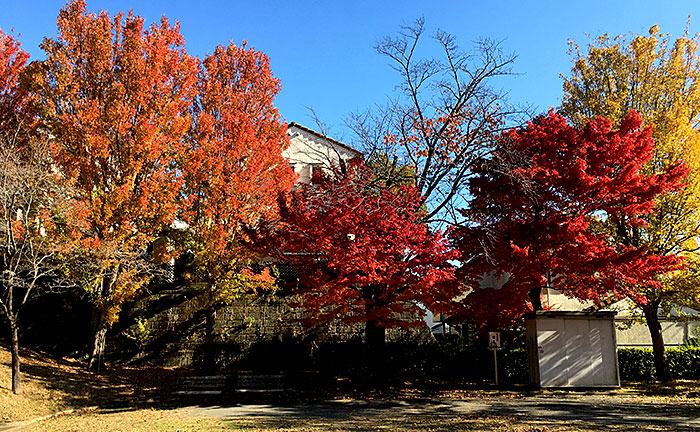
(309, 150)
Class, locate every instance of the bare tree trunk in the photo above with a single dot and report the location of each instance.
(98, 350)
(375, 355)
(657, 341)
(210, 351)
(16, 377)
(107, 284)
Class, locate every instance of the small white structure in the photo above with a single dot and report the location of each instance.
(572, 349)
(311, 152)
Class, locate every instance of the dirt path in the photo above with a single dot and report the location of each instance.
(596, 410)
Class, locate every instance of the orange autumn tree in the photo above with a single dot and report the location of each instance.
(115, 95)
(233, 171)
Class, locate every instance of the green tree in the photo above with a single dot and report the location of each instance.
(659, 77)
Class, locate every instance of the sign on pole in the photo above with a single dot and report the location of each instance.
(495, 343)
(494, 339)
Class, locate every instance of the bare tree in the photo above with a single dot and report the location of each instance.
(35, 232)
(445, 115)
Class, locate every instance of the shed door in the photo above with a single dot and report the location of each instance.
(583, 352)
(551, 347)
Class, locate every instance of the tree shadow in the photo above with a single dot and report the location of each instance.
(114, 387)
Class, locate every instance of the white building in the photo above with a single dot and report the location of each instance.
(310, 151)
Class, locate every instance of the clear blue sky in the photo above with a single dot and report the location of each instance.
(322, 50)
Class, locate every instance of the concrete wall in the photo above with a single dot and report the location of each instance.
(635, 334)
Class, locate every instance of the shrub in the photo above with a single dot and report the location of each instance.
(637, 364)
(684, 362)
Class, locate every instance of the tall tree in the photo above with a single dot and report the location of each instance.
(444, 117)
(13, 119)
(116, 98)
(35, 233)
(537, 211)
(38, 232)
(234, 171)
(366, 255)
(660, 78)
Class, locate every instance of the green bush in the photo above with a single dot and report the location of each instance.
(637, 364)
(513, 366)
(684, 362)
(444, 360)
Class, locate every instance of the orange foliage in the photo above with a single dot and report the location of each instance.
(234, 169)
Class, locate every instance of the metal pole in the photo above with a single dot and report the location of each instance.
(495, 364)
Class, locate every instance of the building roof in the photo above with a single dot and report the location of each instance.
(323, 137)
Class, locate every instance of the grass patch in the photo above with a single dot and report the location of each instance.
(50, 385)
(144, 420)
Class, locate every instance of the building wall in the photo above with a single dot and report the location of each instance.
(308, 150)
(631, 332)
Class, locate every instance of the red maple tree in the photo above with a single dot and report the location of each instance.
(363, 253)
(233, 171)
(116, 98)
(539, 210)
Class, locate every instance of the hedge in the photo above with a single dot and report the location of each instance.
(637, 364)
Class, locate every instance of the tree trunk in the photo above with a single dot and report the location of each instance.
(210, 321)
(16, 378)
(375, 356)
(375, 335)
(535, 295)
(98, 350)
(210, 350)
(657, 341)
(109, 279)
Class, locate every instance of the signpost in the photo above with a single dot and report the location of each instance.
(495, 343)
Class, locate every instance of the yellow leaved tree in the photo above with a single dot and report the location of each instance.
(659, 77)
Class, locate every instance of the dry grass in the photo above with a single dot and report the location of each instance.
(38, 397)
(145, 420)
(175, 420)
(52, 385)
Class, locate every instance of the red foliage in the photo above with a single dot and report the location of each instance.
(363, 253)
(538, 208)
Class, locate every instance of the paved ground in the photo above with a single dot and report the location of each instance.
(596, 409)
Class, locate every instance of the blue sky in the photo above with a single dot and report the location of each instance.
(323, 50)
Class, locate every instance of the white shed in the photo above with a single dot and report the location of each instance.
(572, 349)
